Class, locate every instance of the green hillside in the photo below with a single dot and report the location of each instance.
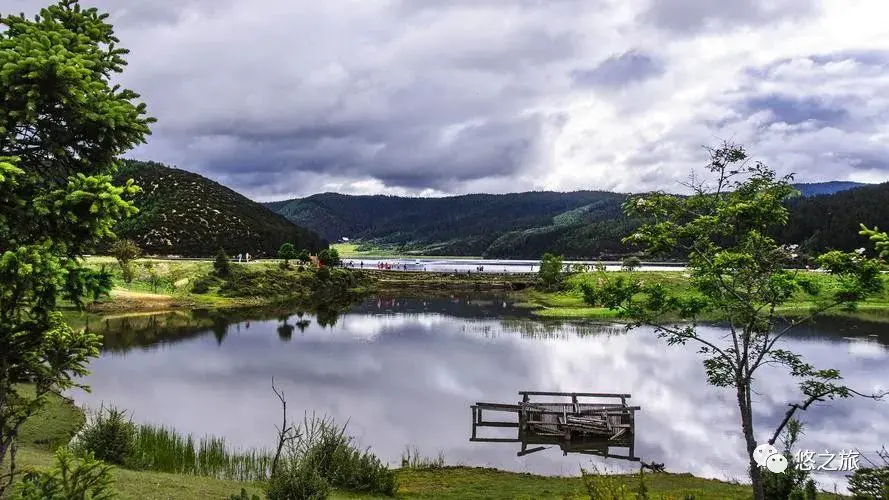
(183, 213)
(457, 225)
(583, 224)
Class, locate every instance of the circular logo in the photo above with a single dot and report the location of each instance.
(763, 452)
(776, 463)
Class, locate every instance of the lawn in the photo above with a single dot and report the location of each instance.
(569, 302)
(61, 419)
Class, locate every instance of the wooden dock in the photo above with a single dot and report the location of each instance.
(577, 422)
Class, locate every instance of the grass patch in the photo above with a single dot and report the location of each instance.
(569, 302)
(51, 427)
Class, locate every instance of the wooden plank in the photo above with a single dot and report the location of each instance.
(498, 406)
(532, 450)
(497, 424)
(581, 394)
(496, 440)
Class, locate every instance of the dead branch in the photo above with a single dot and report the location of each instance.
(285, 432)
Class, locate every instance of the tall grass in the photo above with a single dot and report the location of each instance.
(412, 459)
(163, 449)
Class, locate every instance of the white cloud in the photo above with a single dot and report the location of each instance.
(281, 98)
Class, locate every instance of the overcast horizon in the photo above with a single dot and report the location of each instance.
(279, 99)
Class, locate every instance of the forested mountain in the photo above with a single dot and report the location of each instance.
(826, 222)
(583, 224)
(456, 225)
(813, 189)
(183, 213)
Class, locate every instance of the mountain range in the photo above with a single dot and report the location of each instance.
(183, 213)
(581, 224)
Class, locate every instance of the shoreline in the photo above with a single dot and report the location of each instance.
(443, 481)
(566, 304)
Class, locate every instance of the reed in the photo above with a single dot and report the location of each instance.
(163, 449)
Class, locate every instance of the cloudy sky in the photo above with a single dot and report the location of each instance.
(283, 98)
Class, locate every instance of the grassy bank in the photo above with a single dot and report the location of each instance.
(60, 420)
(161, 285)
(569, 302)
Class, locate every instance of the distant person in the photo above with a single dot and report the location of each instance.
(247, 257)
(239, 258)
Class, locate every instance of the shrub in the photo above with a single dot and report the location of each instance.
(329, 257)
(221, 266)
(550, 273)
(70, 479)
(603, 486)
(794, 483)
(109, 437)
(125, 251)
(203, 284)
(285, 253)
(303, 255)
(297, 481)
(324, 447)
(631, 263)
(153, 278)
(870, 483)
(323, 274)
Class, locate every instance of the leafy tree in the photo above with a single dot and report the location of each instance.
(738, 272)
(550, 272)
(126, 251)
(152, 277)
(329, 257)
(62, 124)
(287, 252)
(222, 266)
(303, 255)
(631, 263)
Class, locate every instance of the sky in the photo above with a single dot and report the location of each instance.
(286, 98)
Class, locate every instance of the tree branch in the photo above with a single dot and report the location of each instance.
(813, 398)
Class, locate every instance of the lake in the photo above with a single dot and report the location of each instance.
(488, 265)
(403, 372)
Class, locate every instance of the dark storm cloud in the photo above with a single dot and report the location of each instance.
(619, 70)
(794, 110)
(418, 158)
(277, 98)
(691, 16)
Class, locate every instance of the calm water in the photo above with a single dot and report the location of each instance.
(404, 372)
(488, 265)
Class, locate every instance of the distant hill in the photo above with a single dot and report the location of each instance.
(830, 187)
(826, 222)
(183, 213)
(454, 225)
(582, 224)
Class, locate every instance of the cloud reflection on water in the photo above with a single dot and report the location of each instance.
(408, 379)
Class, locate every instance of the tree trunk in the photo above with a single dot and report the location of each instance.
(749, 439)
